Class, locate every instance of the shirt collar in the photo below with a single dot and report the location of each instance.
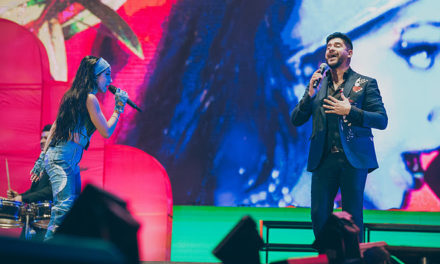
(346, 75)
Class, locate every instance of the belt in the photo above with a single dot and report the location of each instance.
(335, 149)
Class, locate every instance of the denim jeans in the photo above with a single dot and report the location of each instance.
(61, 164)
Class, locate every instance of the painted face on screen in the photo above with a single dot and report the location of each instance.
(403, 55)
(103, 80)
(337, 53)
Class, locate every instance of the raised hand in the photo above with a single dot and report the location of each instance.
(121, 98)
(317, 76)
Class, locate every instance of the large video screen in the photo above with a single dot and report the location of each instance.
(217, 81)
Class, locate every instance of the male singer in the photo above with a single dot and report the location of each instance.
(343, 112)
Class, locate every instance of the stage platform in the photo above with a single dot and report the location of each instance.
(171, 262)
(198, 229)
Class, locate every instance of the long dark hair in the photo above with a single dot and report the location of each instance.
(73, 110)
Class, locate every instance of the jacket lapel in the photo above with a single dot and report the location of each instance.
(323, 94)
(350, 83)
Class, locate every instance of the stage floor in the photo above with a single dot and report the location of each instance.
(198, 229)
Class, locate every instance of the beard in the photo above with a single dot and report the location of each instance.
(336, 64)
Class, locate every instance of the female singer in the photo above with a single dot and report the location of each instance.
(78, 117)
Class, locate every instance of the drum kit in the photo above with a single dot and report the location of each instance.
(14, 214)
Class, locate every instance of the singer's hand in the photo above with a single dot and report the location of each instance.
(121, 98)
(335, 106)
(317, 76)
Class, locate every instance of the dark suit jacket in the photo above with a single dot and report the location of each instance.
(40, 191)
(367, 112)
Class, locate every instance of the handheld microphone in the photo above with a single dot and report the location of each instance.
(322, 68)
(113, 89)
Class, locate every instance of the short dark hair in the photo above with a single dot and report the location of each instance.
(342, 36)
(47, 128)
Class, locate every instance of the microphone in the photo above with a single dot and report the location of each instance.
(322, 68)
(113, 88)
